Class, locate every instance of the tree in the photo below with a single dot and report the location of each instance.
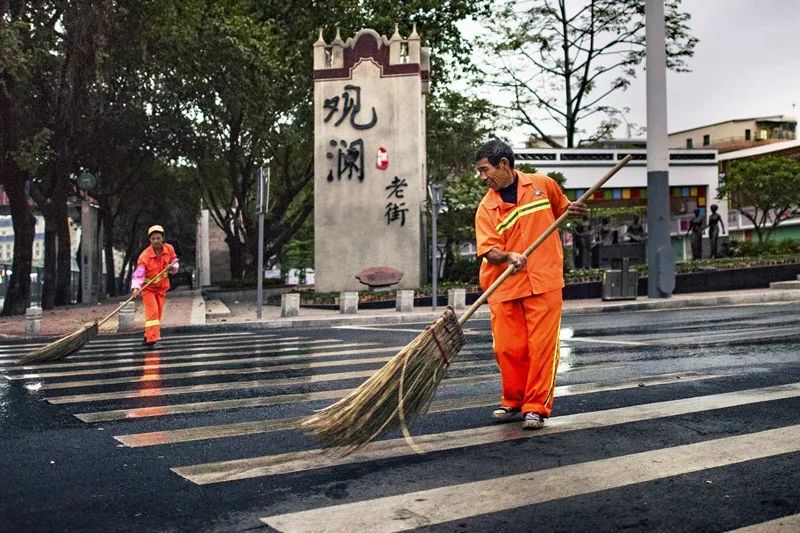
(457, 125)
(560, 65)
(766, 191)
(239, 93)
(24, 138)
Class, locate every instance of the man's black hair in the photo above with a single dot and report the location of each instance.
(494, 151)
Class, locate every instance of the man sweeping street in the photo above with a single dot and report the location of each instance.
(526, 308)
(151, 265)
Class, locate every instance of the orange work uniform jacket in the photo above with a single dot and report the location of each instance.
(153, 264)
(514, 227)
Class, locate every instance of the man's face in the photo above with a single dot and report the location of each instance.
(156, 239)
(495, 177)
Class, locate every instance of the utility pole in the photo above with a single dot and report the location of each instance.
(660, 256)
(263, 206)
(435, 191)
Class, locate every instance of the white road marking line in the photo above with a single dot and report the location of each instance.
(156, 364)
(155, 438)
(224, 386)
(784, 524)
(191, 357)
(457, 502)
(155, 375)
(270, 465)
(239, 403)
(605, 341)
(97, 343)
(465, 331)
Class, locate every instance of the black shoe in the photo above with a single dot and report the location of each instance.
(505, 413)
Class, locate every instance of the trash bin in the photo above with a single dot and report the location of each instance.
(620, 284)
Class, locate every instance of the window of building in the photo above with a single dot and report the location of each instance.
(328, 56)
(689, 143)
(747, 135)
(706, 140)
(763, 135)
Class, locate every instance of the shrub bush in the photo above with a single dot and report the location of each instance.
(766, 248)
(248, 283)
(463, 270)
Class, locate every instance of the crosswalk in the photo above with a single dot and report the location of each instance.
(222, 409)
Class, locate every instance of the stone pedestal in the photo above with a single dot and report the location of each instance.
(457, 298)
(33, 321)
(348, 303)
(290, 305)
(125, 317)
(404, 301)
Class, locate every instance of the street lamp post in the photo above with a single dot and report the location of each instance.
(660, 257)
(435, 192)
(263, 203)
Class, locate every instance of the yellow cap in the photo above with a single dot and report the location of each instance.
(154, 229)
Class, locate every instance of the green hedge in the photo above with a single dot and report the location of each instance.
(758, 249)
(248, 283)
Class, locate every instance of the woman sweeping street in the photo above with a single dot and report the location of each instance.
(152, 261)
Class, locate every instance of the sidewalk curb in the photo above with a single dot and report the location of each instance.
(708, 301)
(198, 316)
(775, 296)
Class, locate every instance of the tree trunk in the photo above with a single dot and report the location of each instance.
(49, 273)
(57, 287)
(108, 246)
(238, 254)
(19, 289)
(64, 258)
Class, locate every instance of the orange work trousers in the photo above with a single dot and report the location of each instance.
(154, 303)
(526, 346)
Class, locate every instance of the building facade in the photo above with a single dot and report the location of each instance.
(741, 228)
(736, 134)
(693, 182)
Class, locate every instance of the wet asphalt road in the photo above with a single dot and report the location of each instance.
(663, 420)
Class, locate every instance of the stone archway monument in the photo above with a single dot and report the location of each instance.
(369, 157)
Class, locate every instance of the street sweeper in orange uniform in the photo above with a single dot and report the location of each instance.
(152, 261)
(526, 308)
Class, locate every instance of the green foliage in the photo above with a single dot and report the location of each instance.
(463, 270)
(299, 252)
(456, 125)
(558, 177)
(765, 190)
(248, 283)
(763, 248)
(235, 90)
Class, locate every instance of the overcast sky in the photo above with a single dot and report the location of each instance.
(747, 63)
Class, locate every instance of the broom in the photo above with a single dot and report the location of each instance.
(403, 389)
(69, 344)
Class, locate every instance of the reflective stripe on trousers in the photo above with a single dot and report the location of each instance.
(154, 303)
(525, 333)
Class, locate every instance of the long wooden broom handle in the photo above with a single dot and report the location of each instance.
(510, 270)
(147, 283)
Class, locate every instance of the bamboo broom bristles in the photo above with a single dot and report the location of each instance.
(62, 347)
(396, 394)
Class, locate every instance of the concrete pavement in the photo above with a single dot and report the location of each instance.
(244, 313)
(187, 310)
